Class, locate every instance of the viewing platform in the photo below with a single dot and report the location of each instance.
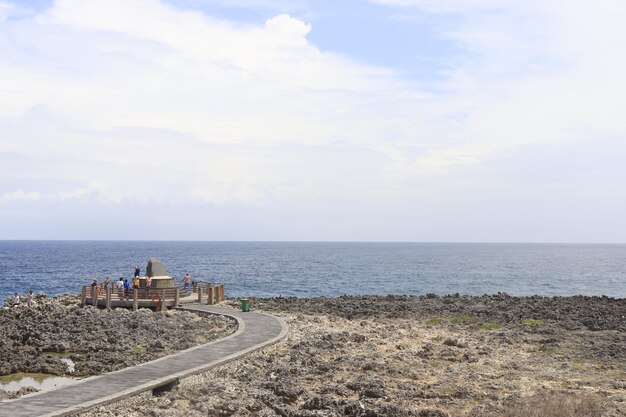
(153, 298)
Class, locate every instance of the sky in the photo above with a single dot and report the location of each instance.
(313, 120)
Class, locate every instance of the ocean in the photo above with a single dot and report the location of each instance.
(307, 269)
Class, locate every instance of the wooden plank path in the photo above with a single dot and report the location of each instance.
(256, 330)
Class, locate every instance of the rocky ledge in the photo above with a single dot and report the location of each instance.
(425, 356)
(35, 340)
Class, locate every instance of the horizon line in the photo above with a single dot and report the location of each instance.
(317, 241)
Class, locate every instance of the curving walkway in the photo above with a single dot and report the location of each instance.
(256, 330)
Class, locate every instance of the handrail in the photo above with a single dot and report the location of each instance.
(214, 291)
(155, 297)
(142, 293)
(151, 297)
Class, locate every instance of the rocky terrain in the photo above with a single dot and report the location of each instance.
(35, 340)
(425, 356)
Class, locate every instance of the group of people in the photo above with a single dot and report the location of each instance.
(124, 286)
(17, 299)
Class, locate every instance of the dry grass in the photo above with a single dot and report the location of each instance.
(462, 319)
(584, 405)
(490, 326)
(531, 322)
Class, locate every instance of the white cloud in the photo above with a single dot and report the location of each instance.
(19, 195)
(152, 100)
(142, 102)
(105, 192)
(533, 73)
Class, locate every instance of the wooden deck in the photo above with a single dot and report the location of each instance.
(154, 298)
(255, 331)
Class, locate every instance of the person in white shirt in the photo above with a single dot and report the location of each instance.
(16, 300)
(120, 288)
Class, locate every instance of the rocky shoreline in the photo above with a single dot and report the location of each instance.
(38, 339)
(426, 356)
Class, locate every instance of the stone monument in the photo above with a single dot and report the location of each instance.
(156, 269)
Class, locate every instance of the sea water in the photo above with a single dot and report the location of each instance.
(41, 382)
(307, 269)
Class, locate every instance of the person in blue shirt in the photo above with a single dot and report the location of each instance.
(126, 287)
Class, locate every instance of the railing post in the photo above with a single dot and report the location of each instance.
(83, 296)
(200, 294)
(210, 295)
(108, 302)
(163, 301)
(135, 299)
(221, 292)
(177, 297)
(94, 296)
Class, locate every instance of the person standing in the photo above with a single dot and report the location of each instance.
(16, 300)
(137, 271)
(126, 287)
(29, 298)
(186, 281)
(105, 284)
(120, 288)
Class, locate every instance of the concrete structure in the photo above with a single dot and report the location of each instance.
(156, 269)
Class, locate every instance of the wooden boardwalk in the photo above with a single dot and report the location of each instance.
(256, 330)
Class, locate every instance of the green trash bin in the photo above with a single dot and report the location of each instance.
(245, 305)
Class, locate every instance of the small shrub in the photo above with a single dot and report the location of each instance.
(138, 349)
(584, 405)
(531, 322)
(434, 322)
(462, 319)
(490, 326)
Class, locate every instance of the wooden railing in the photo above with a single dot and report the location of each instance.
(153, 297)
(156, 297)
(214, 293)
